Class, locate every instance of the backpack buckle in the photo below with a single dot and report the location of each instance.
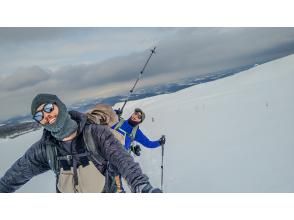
(68, 158)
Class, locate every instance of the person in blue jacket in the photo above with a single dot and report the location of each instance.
(132, 133)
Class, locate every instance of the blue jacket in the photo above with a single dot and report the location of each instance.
(126, 130)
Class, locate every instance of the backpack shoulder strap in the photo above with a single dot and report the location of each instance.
(90, 145)
(88, 139)
(134, 130)
(119, 124)
(97, 158)
(51, 152)
(133, 133)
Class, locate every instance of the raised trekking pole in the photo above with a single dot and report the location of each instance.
(139, 76)
(162, 154)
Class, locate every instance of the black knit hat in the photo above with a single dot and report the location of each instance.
(64, 125)
(44, 99)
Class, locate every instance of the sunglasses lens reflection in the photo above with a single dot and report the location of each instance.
(48, 108)
(38, 116)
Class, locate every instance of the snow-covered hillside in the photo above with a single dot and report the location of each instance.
(230, 135)
(12, 149)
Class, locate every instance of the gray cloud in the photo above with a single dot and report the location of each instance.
(56, 47)
(71, 65)
(23, 78)
(208, 50)
(21, 35)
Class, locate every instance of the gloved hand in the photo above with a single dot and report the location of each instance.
(147, 188)
(136, 150)
(162, 140)
(118, 112)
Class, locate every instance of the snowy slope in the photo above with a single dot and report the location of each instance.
(230, 135)
(12, 149)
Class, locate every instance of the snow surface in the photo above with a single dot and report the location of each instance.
(230, 135)
(12, 149)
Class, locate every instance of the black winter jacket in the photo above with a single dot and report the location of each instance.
(35, 161)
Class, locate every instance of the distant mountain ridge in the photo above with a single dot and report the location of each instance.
(19, 125)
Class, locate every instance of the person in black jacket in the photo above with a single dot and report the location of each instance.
(64, 131)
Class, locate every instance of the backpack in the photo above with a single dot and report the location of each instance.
(103, 114)
(100, 114)
(54, 160)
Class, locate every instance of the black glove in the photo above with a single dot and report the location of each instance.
(118, 112)
(162, 140)
(149, 189)
(136, 150)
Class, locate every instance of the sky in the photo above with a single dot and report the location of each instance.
(83, 63)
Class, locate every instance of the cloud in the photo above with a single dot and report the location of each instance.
(21, 35)
(71, 66)
(56, 47)
(25, 77)
(213, 49)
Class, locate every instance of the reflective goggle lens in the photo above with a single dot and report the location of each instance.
(38, 116)
(48, 108)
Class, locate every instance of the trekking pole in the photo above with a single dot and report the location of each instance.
(162, 154)
(141, 73)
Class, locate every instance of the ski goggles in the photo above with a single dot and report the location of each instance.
(39, 115)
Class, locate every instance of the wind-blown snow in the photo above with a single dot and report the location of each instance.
(230, 135)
